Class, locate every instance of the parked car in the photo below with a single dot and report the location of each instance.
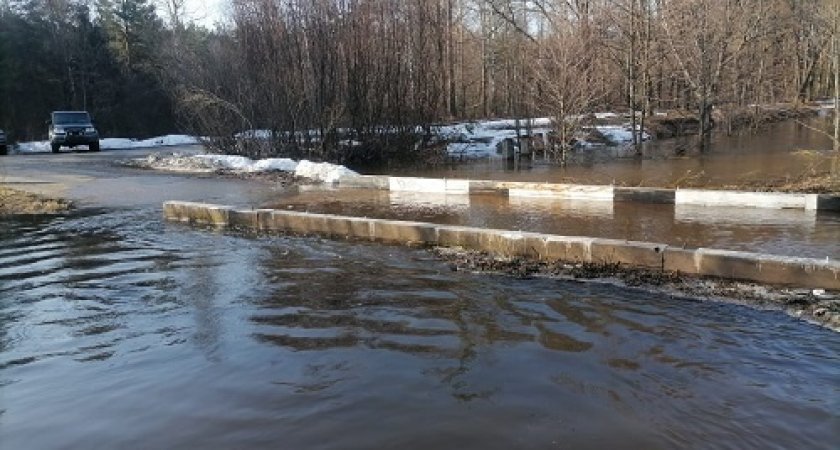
(4, 146)
(71, 129)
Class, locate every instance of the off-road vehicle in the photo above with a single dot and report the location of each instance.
(72, 128)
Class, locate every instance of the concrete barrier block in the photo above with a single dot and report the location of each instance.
(244, 218)
(264, 220)
(190, 212)
(507, 243)
(202, 213)
(295, 223)
(775, 200)
(416, 184)
(630, 253)
(275, 221)
(339, 227)
(482, 187)
(318, 225)
(645, 195)
(175, 211)
(681, 260)
(412, 233)
(436, 185)
(773, 269)
(455, 236)
(568, 248)
(561, 191)
(457, 186)
(359, 228)
(534, 245)
(365, 181)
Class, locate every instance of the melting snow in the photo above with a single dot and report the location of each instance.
(325, 172)
(482, 139)
(117, 143)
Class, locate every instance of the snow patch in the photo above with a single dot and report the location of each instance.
(117, 143)
(324, 172)
(618, 134)
(481, 139)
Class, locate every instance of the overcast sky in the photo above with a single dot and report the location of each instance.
(207, 12)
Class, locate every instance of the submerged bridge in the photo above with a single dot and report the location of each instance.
(757, 267)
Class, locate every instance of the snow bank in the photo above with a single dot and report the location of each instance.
(481, 139)
(324, 172)
(243, 164)
(117, 143)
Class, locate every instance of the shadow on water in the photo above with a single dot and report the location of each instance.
(159, 335)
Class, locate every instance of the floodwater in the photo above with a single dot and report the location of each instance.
(780, 151)
(120, 331)
(784, 232)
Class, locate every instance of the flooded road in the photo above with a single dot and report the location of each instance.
(120, 331)
(784, 232)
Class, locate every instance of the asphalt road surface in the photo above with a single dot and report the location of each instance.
(100, 180)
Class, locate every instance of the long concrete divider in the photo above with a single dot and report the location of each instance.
(698, 197)
(771, 269)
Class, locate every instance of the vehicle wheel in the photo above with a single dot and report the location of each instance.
(94, 147)
(4, 150)
(55, 148)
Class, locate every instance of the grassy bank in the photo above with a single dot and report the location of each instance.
(15, 202)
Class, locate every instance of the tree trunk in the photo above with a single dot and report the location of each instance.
(705, 125)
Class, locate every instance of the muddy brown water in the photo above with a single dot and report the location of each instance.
(778, 151)
(120, 331)
(785, 232)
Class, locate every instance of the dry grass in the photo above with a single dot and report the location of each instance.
(822, 176)
(14, 202)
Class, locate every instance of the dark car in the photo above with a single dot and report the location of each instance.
(72, 128)
(4, 146)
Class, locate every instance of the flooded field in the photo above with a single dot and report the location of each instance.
(778, 151)
(120, 331)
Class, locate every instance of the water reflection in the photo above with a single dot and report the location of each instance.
(786, 232)
(164, 336)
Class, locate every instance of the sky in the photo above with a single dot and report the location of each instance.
(207, 12)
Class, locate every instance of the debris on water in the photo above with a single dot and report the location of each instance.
(816, 305)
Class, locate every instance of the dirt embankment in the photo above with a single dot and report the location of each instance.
(14, 202)
(813, 305)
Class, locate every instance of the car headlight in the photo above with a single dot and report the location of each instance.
(90, 130)
(58, 130)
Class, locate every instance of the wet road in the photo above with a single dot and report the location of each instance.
(97, 180)
(120, 331)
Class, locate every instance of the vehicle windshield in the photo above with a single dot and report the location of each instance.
(71, 118)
